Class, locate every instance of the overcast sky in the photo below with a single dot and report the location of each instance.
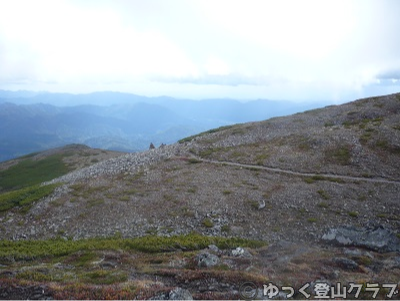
(301, 50)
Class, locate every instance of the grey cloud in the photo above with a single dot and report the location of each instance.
(221, 80)
(390, 74)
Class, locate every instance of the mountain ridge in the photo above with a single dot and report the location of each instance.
(260, 144)
(318, 191)
(116, 121)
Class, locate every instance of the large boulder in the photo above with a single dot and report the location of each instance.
(377, 238)
(176, 294)
(206, 260)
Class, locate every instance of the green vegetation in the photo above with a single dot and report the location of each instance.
(32, 249)
(340, 155)
(313, 179)
(367, 135)
(323, 205)
(323, 194)
(194, 161)
(98, 277)
(124, 198)
(192, 190)
(309, 180)
(385, 145)
(382, 143)
(152, 231)
(209, 151)
(353, 214)
(364, 260)
(253, 204)
(362, 122)
(208, 223)
(104, 277)
(312, 220)
(236, 154)
(34, 275)
(348, 124)
(94, 202)
(253, 169)
(362, 198)
(302, 211)
(85, 259)
(260, 158)
(313, 111)
(379, 105)
(190, 138)
(31, 172)
(304, 144)
(377, 121)
(187, 212)
(132, 191)
(226, 228)
(238, 131)
(25, 197)
(29, 155)
(168, 198)
(85, 191)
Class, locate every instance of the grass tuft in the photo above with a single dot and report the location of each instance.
(323, 194)
(32, 249)
(208, 223)
(353, 214)
(31, 172)
(340, 155)
(25, 197)
(194, 161)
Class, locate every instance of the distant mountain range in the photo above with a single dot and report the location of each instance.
(34, 121)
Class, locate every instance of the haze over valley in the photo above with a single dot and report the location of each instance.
(31, 122)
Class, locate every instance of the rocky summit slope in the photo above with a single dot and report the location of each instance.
(304, 184)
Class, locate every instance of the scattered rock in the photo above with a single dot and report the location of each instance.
(345, 263)
(377, 238)
(108, 265)
(353, 252)
(180, 294)
(393, 263)
(214, 249)
(162, 296)
(176, 294)
(240, 252)
(261, 205)
(7, 274)
(152, 146)
(131, 163)
(33, 292)
(207, 260)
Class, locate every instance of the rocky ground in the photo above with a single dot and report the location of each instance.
(321, 188)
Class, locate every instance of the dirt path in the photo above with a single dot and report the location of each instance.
(303, 174)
